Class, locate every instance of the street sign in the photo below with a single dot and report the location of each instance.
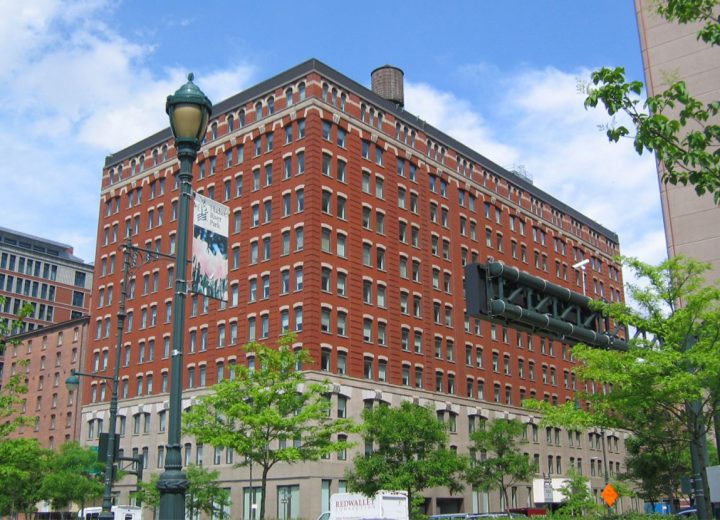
(548, 490)
(609, 495)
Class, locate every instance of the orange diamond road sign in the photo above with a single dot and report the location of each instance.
(609, 495)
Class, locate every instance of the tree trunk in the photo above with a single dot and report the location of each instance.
(263, 497)
(505, 498)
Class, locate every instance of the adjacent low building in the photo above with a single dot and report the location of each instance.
(44, 358)
(350, 223)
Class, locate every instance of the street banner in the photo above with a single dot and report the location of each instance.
(210, 248)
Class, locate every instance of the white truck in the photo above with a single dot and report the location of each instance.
(385, 505)
(119, 513)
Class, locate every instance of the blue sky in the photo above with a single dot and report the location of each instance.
(82, 79)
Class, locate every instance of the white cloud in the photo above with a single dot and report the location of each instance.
(71, 91)
(542, 124)
(457, 118)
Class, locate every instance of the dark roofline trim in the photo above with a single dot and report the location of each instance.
(34, 238)
(314, 65)
(51, 328)
(64, 248)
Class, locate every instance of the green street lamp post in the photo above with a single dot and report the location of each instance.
(189, 111)
(73, 382)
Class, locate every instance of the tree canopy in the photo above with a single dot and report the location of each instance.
(500, 463)
(409, 453)
(673, 367)
(23, 464)
(74, 475)
(579, 501)
(682, 132)
(11, 400)
(269, 413)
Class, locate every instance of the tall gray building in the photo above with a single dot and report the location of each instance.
(671, 52)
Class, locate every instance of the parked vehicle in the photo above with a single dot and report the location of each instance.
(119, 513)
(385, 505)
(473, 516)
(497, 515)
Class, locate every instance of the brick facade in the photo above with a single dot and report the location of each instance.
(354, 220)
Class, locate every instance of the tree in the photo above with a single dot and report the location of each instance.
(657, 457)
(671, 370)
(269, 413)
(409, 453)
(681, 131)
(8, 329)
(11, 400)
(148, 493)
(23, 464)
(579, 501)
(74, 475)
(508, 465)
(204, 495)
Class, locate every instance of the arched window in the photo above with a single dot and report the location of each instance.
(231, 122)
(288, 96)
(258, 110)
(241, 118)
(271, 105)
(301, 90)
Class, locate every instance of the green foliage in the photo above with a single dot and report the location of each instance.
(410, 453)
(269, 414)
(657, 456)
(11, 400)
(604, 515)
(23, 464)
(148, 493)
(661, 375)
(689, 11)
(579, 500)
(680, 130)
(15, 325)
(204, 495)
(508, 464)
(74, 475)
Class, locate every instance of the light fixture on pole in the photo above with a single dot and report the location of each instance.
(581, 266)
(73, 382)
(189, 110)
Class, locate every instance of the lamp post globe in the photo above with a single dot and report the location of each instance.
(189, 110)
(72, 382)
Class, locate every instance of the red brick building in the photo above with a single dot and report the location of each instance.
(45, 357)
(350, 223)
